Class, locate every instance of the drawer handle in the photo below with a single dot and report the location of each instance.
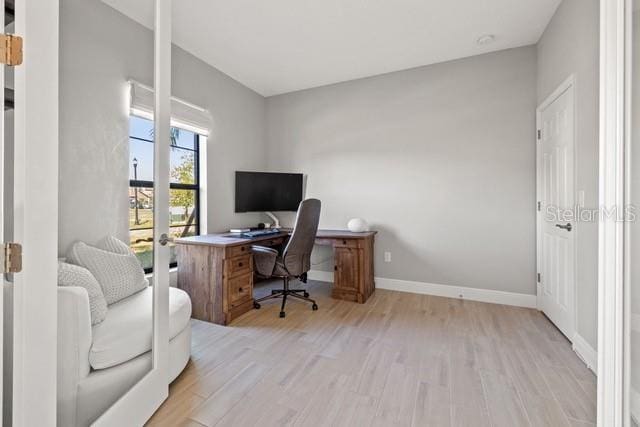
(242, 248)
(344, 242)
(335, 268)
(239, 289)
(239, 264)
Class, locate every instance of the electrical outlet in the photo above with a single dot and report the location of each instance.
(387, 257)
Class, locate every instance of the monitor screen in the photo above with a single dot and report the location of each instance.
(268, 191)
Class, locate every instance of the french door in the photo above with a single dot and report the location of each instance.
(137, 405)
(28, 325)
(6, 284)
(30, 216)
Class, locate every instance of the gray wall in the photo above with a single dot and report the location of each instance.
(440, 159)
(100, 50)
(568, 46)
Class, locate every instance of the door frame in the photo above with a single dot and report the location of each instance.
(615, 31)
(567, 84)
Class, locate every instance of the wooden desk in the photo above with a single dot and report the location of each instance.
(216, 270)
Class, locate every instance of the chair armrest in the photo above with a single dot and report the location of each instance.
(74, 343)
(264, 249)
(264, 260)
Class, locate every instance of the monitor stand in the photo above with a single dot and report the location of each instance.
(276, 221)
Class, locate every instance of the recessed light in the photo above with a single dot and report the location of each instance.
(486, 39)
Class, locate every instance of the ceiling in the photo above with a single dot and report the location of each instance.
(281, 46)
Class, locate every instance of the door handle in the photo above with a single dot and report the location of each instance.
(567, 227)
(164, 239)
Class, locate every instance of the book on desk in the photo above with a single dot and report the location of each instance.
(216, 270)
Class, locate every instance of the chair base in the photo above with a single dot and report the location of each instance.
(281, 291)
(284, 293)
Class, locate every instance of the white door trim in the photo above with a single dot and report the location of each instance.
(629, 395)
(613, 17)
(562, 88)
(570, 82)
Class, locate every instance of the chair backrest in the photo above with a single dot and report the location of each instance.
(297, 254)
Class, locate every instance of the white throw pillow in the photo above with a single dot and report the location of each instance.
(119, 275)
(114, 245)
(74, 275)
(117, 246)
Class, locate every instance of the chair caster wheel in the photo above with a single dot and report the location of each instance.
(314, 307)
(256, 305)
(306, 294)
(282, 314)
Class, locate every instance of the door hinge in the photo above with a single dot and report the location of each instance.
(10, 49)
(12, 258)
(539, 278)
(539, 206)
(539, 134)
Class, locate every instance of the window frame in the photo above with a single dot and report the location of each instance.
(133, 183)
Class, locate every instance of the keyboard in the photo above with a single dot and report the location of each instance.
(259, 233)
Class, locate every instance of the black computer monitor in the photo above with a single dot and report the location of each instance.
(268, 191)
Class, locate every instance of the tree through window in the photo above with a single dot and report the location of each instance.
(183, 192)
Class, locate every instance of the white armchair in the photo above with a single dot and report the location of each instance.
(118, 348)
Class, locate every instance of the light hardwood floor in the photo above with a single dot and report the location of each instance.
(398, 360)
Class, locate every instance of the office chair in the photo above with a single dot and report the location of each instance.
(295, 261)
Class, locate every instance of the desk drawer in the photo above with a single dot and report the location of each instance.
(239, 265)
(240, 289)
(346, 243)
(234, 251)
(271, 242)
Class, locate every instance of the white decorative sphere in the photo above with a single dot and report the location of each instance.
(357, 225)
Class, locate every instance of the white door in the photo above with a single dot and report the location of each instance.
(556, 208)
(137, 405)
(30, 332)
(5, 283)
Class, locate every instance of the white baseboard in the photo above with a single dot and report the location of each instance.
(585, 352)
(475, 294)
(461, 292)
(320, 276)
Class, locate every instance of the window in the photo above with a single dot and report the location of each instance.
(183, 192)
